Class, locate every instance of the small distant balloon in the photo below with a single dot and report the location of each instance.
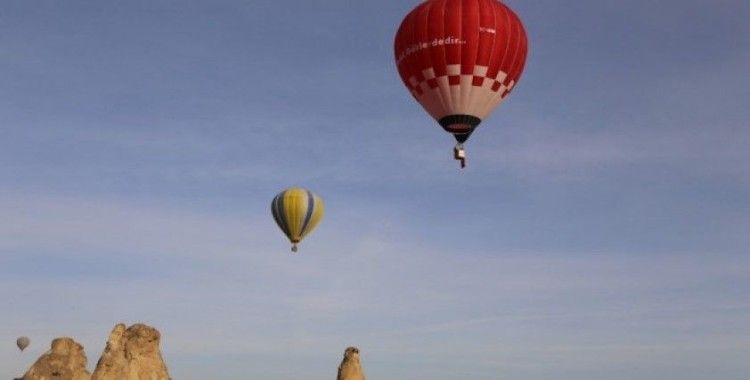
(22, 343)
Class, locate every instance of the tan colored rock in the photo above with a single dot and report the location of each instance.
(351, 368)
(64, 361)
(131, 354)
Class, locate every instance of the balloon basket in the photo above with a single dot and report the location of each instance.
(459, 154)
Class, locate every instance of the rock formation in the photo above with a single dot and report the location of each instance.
(131, 354)
(350, 368)
(64, 361)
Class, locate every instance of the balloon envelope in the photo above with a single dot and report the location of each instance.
(460, 59)
(22, 342)
(297, 212)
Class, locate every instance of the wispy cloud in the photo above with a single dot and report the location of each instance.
(251, 298)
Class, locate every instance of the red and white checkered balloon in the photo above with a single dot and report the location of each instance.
(460, 59)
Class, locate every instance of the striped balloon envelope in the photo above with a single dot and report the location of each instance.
(460, 59)
(297, 212)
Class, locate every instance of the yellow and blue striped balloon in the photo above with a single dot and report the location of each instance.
(297, 211)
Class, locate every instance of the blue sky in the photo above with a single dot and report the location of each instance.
(599, 231)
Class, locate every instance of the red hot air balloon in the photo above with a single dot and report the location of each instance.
(460, 59)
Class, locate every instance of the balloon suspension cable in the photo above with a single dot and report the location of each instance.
(460, 154)
(294, 247)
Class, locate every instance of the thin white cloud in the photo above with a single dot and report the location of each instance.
(396, 297)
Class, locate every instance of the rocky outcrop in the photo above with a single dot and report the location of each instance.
(131, 354)
(351, 368)
(64, 361)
